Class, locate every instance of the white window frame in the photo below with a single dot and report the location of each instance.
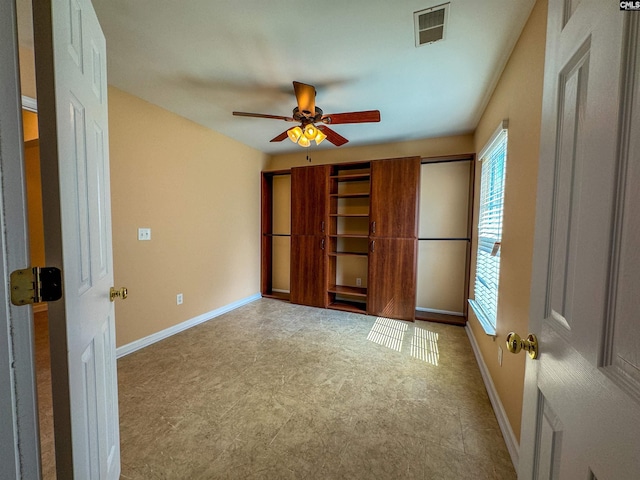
(491, 212)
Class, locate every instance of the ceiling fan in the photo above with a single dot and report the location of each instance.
(308, 115)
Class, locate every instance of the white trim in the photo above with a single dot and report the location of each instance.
(503, 421)
(486, 325)
(30, 104)
(443, 312)
(161, 335)
(501, 130)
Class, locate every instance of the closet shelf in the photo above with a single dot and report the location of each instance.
(348, 254)
(352, 176)
(348, 290)
(350, 215)
(350, 195)
(350, 235)
(346, 306)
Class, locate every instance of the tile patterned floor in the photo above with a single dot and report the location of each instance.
(277, 391)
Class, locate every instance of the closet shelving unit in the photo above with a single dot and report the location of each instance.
(348, 235)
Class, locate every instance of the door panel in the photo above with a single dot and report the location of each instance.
(308, 270)
(72, 102)
(573, 93)
(549, 444)
(309, 200)
(392, 278)
(394, 197)
(621, 355)
(580, 413)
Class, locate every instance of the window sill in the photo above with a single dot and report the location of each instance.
(488, 328)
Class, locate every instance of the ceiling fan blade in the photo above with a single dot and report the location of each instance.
(263, 115)
(306, 96)
(280, 137)
(366, 116)
(332, 136)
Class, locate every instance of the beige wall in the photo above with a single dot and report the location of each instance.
(430, 147)
(199, 192)
(34, 203)
(517, 97)
(27, 72)
(29, 125)
(34, 188)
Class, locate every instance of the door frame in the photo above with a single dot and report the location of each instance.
(16, 323)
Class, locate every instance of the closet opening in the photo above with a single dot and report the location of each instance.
(444, 238)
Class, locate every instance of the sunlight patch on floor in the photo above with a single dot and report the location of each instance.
(424, 346)
(388, 333)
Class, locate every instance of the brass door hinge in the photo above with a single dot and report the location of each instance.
(34, 285)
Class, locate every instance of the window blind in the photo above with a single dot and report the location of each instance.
(485, 303)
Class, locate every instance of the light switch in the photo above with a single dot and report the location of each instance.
(144, 234)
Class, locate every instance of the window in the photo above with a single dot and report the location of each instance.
(494, 159)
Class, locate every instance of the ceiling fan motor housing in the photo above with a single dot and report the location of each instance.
(305, 119)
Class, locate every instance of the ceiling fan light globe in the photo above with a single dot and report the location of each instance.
(310, 131)
(294, 134)
(304, 141)
(320, 137)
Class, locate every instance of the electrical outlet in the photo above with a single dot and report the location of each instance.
(179, 299)
(500, 356)
(358, 282)
(144, 234)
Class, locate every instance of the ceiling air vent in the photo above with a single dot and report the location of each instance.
(430, 24)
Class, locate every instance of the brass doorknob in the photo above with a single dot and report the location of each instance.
(529, 344)
(120, 292)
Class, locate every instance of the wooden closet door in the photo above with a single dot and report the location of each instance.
(392, 278)
(394, 197)
(309, 221)
(309, 200)
(308, 270)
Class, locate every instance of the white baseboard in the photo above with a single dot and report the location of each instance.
(30, 104)
(444, 312)
(501, 415)
(161, 335)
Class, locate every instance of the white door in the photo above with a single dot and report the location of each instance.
(581, 413)
(72, 114)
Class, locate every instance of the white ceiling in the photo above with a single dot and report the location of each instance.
(203, 59)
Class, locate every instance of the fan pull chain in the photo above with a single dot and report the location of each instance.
(310, 149)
